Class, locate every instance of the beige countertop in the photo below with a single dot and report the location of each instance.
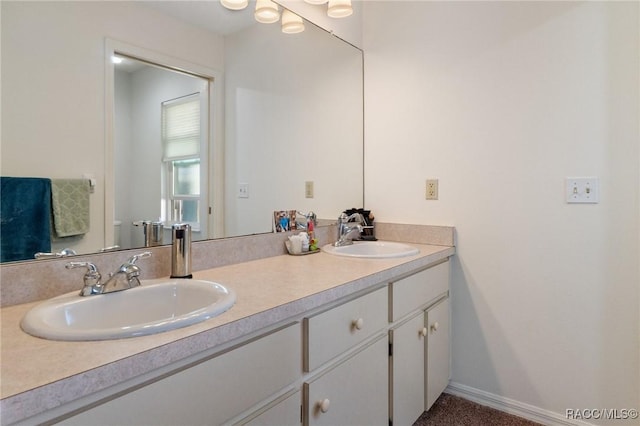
(38, 375)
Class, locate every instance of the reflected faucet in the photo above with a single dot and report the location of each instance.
(124, 278)
(345, 230)
(63, 253)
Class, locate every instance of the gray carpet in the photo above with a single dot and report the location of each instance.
(451, 410)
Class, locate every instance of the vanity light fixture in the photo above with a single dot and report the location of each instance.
(234, 4)
(291, 23)
(266, 12)
(339, 8)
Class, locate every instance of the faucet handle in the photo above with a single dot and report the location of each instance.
(91, 268)
(132, 270)
(133, 259)
(91, 278)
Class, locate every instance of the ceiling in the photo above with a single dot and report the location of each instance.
(207, 14)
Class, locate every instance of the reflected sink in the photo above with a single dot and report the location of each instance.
(372, 250)
(153, 307)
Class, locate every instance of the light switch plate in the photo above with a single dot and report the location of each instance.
(582, 190)
(243, 190)
(308, 189)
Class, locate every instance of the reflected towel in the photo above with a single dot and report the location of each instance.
(70, 204)
(25, 212)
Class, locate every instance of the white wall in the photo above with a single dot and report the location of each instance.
(53, 52)
(501, 101)
(293, 113)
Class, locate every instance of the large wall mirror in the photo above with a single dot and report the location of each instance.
(276, 112)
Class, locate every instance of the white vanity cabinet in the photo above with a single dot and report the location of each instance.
(377, 357)
(346, 353)
(419, 338)
(213, 391)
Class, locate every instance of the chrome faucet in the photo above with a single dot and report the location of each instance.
(124, 278)
(63, 253)
(345, 230)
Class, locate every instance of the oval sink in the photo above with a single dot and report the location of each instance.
(372, 250)
(151, 308)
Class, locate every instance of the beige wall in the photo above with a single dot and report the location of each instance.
(501, 101)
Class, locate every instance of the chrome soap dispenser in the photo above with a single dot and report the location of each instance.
(181, 251)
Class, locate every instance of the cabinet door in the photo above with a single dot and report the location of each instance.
(355, 392)
(438, 357)
(210, 392)
(407, 371)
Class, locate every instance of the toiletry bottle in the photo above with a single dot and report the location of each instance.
(313, 243)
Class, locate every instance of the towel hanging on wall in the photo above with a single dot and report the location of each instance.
(25, 212)
(70, 204)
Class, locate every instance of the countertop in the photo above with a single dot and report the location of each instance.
(38, 375)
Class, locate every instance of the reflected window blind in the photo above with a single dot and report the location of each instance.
(181, 128)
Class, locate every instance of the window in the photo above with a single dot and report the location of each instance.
(181, 160)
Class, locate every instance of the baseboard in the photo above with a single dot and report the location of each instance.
(511, 406)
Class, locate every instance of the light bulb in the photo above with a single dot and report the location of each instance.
(339, 8)
(266, 12)
(234, 4)
(291, 23)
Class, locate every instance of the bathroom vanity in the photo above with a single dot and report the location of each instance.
(311, 340)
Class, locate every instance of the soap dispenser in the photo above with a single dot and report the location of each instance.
(181, 251)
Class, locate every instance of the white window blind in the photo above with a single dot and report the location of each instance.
(181, 128)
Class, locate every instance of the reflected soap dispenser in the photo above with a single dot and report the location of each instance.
(181, 251)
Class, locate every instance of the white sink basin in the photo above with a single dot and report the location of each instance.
(153, 307)
(372, 250)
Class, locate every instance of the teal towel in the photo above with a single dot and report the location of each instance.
(70, 206)
(25, 212)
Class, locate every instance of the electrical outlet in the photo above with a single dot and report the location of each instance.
(308, 189)
(243, 190)
(431, 189)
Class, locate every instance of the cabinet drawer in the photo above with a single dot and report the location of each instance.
(414, 291)
(355, 392)
(334, 331)
(211, 392)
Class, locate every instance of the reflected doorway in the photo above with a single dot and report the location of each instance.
(160, 146)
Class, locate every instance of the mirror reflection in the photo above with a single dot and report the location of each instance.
(279, 114)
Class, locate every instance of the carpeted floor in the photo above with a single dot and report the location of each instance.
(451, 410)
